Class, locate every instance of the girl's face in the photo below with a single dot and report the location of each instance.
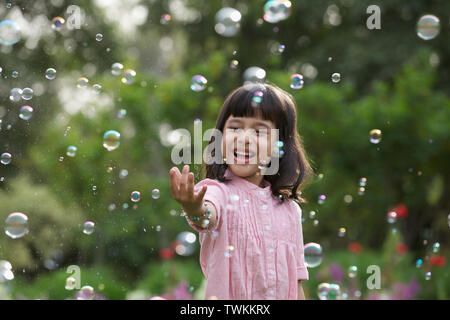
(247, 143)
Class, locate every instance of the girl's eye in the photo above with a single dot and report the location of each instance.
(233, 128)
(261, 132)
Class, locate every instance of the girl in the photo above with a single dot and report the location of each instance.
(249, 223)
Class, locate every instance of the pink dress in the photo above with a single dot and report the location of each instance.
(255, 250)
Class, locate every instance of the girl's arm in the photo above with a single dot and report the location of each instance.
(301, 294)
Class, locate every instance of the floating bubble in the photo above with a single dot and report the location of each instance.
(281, 48)
(428, 27)
(88, 227)
(70, 283)
(234, 64)
(419, 263)
(321, 199)
(9, 33)
(155, 193)
(315, 223)
(27, 94)
(16, 225)
(254, 74)
(15, 94)
(5, 158)
(341, 232)
(165, 18)
(362, 182)
(336, 77)
(375, 136)
(227, 22)
(85, 293)
(121, 113)
(312, 214)
(135, 196)
(26, 112)
(71, 151)
(313, 254)
(352, 271)
(296, 81)
(185, 243)
(116, 69)
(57, 23)
(99, 37)
(436, 247)
(123, 173)
(97, 88)
(334, 292)
(330, 59)
(198, 83)
(391, 217)
(322, 290)
(361, 191)
(277, 10)
(15, 74)
(128, 76)
(111, 140)
(428, 275)
(82, 82)
(6, 273)
(50, 73)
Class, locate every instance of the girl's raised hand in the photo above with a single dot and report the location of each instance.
(182, 188)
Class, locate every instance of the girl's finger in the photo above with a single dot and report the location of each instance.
(183, 184)
(201, 193)
(190, 185)
(174, 188)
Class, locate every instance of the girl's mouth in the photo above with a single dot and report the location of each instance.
(243, 157)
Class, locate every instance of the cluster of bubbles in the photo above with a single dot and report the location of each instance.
(88, 227)
(185, 243)
(16, 225)
(277, 10)
(128, 75)
(362, 186)
(428, 27)
(9, 33)
(6, 273)
(352, 272)
(375, 136)
(198, 83)
(228, 22)
(257, 98)
(17, 94)
(5, 158)
(313, 254)
(296, 81)
(111, 140)
(329, 291)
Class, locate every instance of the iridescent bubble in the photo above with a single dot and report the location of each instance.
(111, 140)
(15, 74)
(296, 81)
(313, 254)
(352, 271)
(71, 151)
(85, 293)
(361, 191)
(121, 113)
(281, 48)
(334, 292)
(227, 22)
(15, 94)
(97, 88)
(135, 196)
(88, 227)
(436, 247)
(375, 136)
(155, 193)
(6, 273)
(27, 93)
(198, 83)
(428, 275)
(70, 283)
(277, 10)
(419, 263)
(16, 225)
(336, 77)
(50, 73)
(5, 158)
(99, 37)
(254, 74)
(9, 33)
(312, 214)
(428, 27)
(26, 112)
(322, 291)
(165, 18)
(234, 64)
(321, 199)
(128, 76)
(82, 82)
(57, 23)
(257, 98)
(391, 217)
(341, 232)
(330, 59)
(185, 243)
(362, 182)
(116, 69)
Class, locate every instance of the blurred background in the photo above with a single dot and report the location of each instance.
(92, 94)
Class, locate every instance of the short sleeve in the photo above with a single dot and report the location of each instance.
(302, 271)
(216, 194)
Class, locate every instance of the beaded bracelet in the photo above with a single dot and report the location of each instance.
(206, 216)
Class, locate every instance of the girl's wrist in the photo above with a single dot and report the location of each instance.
(200, 217)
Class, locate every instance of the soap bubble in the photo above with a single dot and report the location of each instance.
(82, 82)
(313, 254)
(50, 73)
(16, 225)
(121, 113)
(15, 74)
(322, 291)
(9, 33)
(277, 10)
(321, 199)
(88, 227)
(281, 48)
(352, 271)
(57, 23)
(341, 232)
(227, 22)
(336, 77)
(165, 18)
(391, 217)
(428, 27)
(5, 158)
(419, 263)
(26, 112)
(254, 74)
(198, 83)
(296, 81)
(111, 140)
(99, 37)
(135, 196)
(71, 151)
(257, 98)
(362, 182)
(27, 94)
(15, 94)
(6, 273)
(155, 193)
(85, 293)
(116, 68)
(234, 64)
(128, 76)
(97, 88)
(428, 275)
(185, 243)
(334, 292)
(375, 136)
(436, 247)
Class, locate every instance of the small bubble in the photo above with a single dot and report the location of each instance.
(99, 37)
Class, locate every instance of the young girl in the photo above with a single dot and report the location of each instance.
(249, 223)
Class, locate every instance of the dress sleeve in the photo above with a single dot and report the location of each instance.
(216, 195)
(302, 271)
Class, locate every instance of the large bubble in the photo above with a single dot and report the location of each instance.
(185, 243)
(277, 10)
(313, 254)
(254, 74)
(296, 81)
(26, 112)
(16, 225)
(9, 33)
(428, 27)
(227, 22)
(198, 83)
(111, 140)
(5, 158)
